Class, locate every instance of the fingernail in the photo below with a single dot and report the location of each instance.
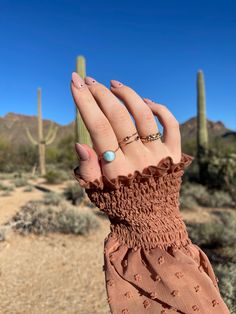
(82, 152)
(115, 83)
(90, 81)
(77, 80)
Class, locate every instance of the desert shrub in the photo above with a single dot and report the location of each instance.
(220, 233)
(52, 198)
(55, 176)
(7, 188)
(6, 193)
(188, 202)
(221, 171)
(35, 218)
(29, 188)
(71, 221)
(216, 198)
(227, 284)
(19, 182)
(75, 193)
(195, 194)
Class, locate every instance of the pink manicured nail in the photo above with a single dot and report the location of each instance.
(82, 152)
(90, 81)
(77, 80)
(116, 83)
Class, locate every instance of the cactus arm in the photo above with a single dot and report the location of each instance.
(50, 131)
(53, 136)
(30, 137)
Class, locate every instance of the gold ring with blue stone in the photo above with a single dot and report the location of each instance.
(110, 155)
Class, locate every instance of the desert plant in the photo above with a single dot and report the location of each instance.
(194, 194)
(7, 188)
(227, 284)
(71, 221)
(29, 188)
(54, 176)
(81, 132)
(34, 217)
(221, 171)
(52, 198)
(216, 234)
(74, 193)
(19, 182)
(42, 141)
(202, 132)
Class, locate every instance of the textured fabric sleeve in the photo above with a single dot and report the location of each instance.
(150, 263)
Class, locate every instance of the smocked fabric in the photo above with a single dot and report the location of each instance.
(150, 263)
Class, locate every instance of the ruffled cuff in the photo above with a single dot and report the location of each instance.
(143, 207)
(164, 167)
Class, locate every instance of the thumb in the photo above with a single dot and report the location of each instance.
(89, 168)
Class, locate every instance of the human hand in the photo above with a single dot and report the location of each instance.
(109, 122)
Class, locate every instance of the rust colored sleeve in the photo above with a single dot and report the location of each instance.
(150, 263)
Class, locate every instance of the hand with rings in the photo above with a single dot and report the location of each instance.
(119, 146)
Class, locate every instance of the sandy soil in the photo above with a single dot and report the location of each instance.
(56, 274)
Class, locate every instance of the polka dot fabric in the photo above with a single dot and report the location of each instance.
(150, 264)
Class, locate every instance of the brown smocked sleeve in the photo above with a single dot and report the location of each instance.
(151, 266)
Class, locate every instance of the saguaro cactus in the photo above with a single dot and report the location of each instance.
(42, 141)
(202, 132)
(81, 133)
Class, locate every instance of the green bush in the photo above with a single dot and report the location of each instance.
(75, 193)
(219, 233)
(35, 218)
(195, 194)
(227, 284)
(19, 182)
(55, 176)
(71, 221)
(7, 188)
(29, 188)
(52, 198)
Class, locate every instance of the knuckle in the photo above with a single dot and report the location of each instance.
(101, 126)
(120, 115)
(174, 123)
(147, 115)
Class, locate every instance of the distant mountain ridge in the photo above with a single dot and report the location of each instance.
(12, 129)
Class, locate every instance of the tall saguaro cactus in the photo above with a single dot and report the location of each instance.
(42, 141)
(81, 133)
(202, 132)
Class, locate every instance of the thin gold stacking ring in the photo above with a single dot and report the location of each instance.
(110, 155)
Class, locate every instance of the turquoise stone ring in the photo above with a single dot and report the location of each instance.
(109, 155)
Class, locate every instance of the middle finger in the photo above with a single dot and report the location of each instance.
(117, 115)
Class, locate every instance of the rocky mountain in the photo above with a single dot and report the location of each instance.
(12, 129)
(215, 129)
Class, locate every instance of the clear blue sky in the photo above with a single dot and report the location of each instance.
(156, 47)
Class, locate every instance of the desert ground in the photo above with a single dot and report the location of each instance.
(56, 273)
